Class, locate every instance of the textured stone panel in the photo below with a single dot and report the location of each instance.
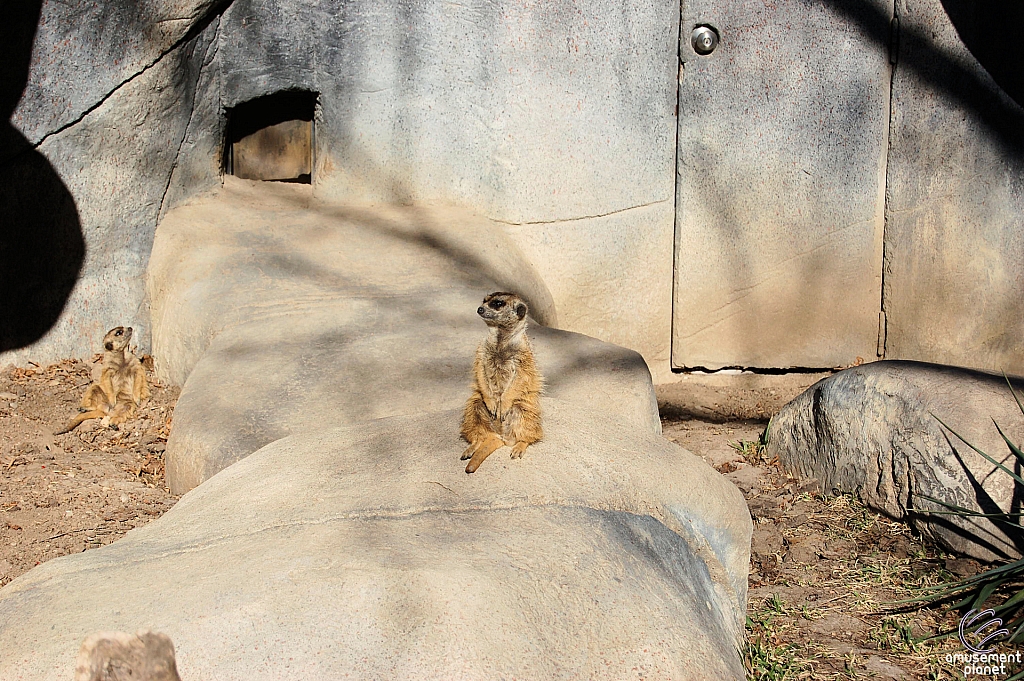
(781, 176)
(954, 242)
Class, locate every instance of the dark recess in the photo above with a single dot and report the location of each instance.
(41, 244)
(991, 30)
(252, 116)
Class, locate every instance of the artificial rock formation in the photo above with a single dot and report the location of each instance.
(326, 352)
(874, 430)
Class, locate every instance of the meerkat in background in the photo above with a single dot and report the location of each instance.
(504, 408)
(122, 385)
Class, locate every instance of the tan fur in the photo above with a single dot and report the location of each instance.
(121, 387)
(504, 408)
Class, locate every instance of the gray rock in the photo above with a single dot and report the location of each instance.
(953, 249)
(883, 669)
(368, 551)
(85, 259)
(805, 549)
(873, 430)
(559, 126)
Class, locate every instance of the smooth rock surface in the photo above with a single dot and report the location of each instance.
(308, 315)
(954, 236)
(368, 551)
(873, 431)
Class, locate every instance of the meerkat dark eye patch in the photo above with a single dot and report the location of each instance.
(521, 310)
(118, 332)
(497, 304)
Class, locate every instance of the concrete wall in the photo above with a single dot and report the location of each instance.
(99, 97)
(781, 177)
(954, 248)
(557, 120)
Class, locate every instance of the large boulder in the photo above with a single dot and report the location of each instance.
(281, 313)
(875, 431)
(337, 341)
(367, 552)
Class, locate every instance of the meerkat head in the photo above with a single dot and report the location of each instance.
(117, 338)
(503, 310)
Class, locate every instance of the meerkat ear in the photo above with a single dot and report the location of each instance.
(521, 310)
(108, 346)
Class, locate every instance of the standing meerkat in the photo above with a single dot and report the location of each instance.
(122, 386)
(504, 408)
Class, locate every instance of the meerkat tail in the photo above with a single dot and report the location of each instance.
(487, 447)
(77, 421)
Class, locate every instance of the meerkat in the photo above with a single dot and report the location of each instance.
(504, 408)
(121, 387)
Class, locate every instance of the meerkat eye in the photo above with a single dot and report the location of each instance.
(497, 304)
(118, 332)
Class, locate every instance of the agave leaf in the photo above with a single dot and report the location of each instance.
(1013, 392)
(1013, 448)
(997, 464)
(985, 592)
(1017, 628)
(961, 511)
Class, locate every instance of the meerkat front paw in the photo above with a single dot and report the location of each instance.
(470, 450)
(518, 449)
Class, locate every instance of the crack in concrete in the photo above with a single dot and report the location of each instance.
(207, 60)
(582, 217)
(697, 542)
(200, 25)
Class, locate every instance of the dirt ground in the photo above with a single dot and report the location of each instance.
(822, 569)
(68, 493)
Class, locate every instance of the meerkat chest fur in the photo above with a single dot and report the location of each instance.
(501, 355)
(115, 362)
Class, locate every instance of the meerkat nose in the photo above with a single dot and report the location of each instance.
(480, 310)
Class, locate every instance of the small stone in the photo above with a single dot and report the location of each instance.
(764, 507)
(766, 541)
(8, 396)
(901, 548)
(117, 656)
(797, 520)
(884, 669)
(721, 456)
(746, 478)
(963, 567)
(805, 549)
(809, 486)
(838, 624)
(841, 548)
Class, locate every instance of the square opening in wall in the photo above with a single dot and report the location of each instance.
(271, 138)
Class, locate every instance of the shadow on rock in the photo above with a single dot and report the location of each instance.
(41, 243)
